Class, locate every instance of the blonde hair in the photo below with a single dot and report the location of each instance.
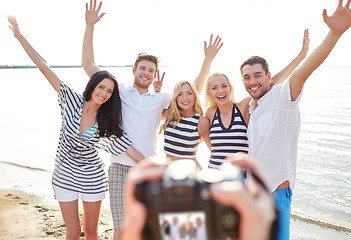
(208, 100)
(174, 111)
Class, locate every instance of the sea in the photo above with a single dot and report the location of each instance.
(321, 208)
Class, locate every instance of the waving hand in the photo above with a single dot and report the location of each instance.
(92, 13)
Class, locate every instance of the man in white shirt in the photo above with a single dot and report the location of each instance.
(201, 233)
(174, 229)
(141, 114)
(274, 123)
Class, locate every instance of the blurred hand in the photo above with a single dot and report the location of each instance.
(135, 214)
(254, 204)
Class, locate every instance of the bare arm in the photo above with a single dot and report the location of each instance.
(209, 115)
(204, 130)
(244, 106)
(210, 53)
(283, 74)
(36, 58)
(134, 154)
(338, 23)
(91, 17)
(165, 113)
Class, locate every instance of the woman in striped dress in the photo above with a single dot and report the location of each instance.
(185, 126)
(89, 122)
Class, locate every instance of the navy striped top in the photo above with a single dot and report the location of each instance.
(78, 166)
(227, 141)
(183, 139)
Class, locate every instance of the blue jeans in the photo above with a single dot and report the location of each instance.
(283, 202)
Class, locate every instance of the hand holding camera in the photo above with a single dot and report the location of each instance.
(212, 204)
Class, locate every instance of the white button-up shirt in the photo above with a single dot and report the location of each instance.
(273, 134)
(141, 114)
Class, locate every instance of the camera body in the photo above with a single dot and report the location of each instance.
(183, 195)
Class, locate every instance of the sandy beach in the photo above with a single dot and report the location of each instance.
(29, 211)
(26, 216)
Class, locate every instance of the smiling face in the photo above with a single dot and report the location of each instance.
(186, 98)
(103, 91)
(219, 90)
(144, 74)
(256, 80)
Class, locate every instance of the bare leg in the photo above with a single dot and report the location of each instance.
(117, 234)
(70, 215)
(91, 219)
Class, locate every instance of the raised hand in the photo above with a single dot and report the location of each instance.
(92, 13)
(305, 45)
(14, 26)
(340, 21)
(34, 55)
(158, 82)
(212, 49)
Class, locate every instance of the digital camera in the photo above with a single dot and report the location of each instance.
(179, 206)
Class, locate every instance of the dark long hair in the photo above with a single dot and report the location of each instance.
(109, 115)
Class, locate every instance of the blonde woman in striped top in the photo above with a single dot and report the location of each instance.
(185, 126)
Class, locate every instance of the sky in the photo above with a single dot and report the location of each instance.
(172, 30)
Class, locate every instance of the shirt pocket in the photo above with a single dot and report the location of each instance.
(264, 124)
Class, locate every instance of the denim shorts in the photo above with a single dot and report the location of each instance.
(283, 203)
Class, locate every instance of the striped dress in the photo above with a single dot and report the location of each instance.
(227, 141)
(183, 139)
(78, 166)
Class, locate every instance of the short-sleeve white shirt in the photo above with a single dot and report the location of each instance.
(201, 232)
(273, 133)
(141, 115)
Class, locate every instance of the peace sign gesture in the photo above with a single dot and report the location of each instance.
(158, 83)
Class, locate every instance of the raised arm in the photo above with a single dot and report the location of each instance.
(283, 74)
(36, 58)
(338, 23)
(91, 17)
(211, 51)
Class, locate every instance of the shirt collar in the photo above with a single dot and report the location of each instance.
(130, 88)
(253, 105)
